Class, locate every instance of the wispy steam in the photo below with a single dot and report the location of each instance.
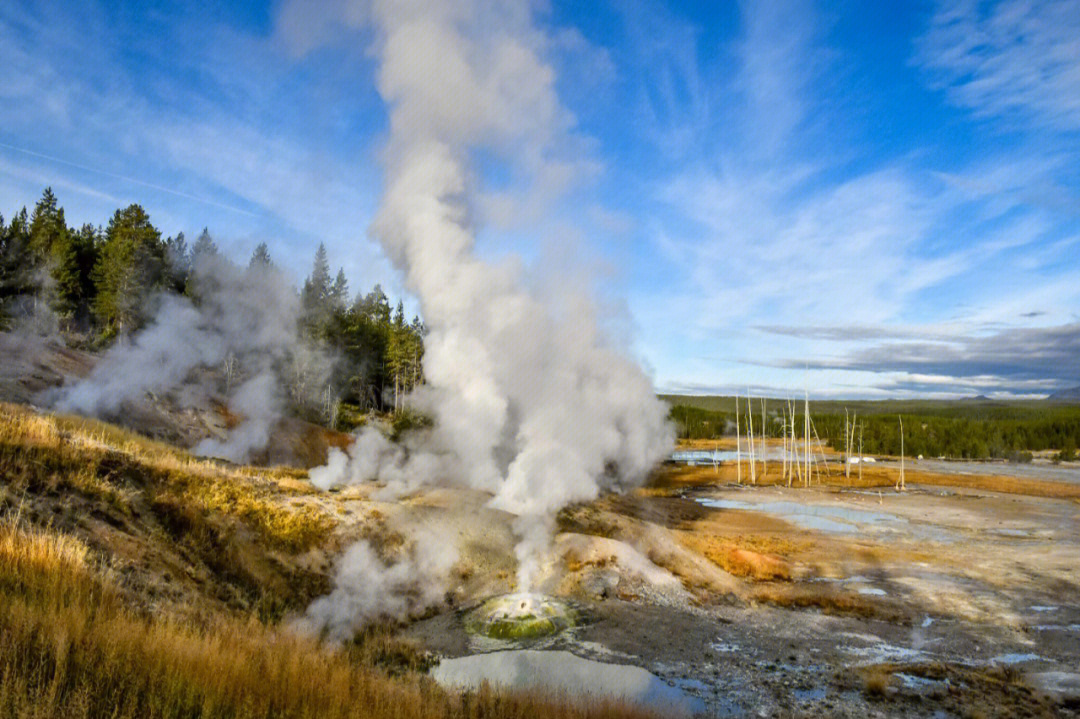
(531, 402)
(368, 587)
(244, 327)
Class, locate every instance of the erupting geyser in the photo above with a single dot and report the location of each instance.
(532, 401)
(520, 616)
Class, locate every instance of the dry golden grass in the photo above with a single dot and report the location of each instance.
(48, 566)
(75, 643)
(87, 658)
(55, 453)
(876, 680)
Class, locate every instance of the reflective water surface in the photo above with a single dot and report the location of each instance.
(561, 671)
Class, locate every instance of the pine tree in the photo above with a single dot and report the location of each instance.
(87, 243)
(375, 306)
(316, 293)
(47, 226)
(317, 285)
(178, 262)
(204, 247)
(203, 252)
(260, 258)
(130, 268)
(16, 263)
(66, 293)
(339, 291)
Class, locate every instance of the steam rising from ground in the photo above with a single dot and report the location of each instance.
(244, 328)
(531, 402)
(367, 587)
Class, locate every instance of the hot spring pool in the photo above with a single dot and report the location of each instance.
(563, 672)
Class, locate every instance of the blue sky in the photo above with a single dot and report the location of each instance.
(862, 199)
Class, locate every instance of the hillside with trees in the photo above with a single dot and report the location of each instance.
(95, 286)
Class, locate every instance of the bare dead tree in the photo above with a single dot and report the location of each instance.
(738, 442)
(228, 368)
(900, 485)
(750, 437)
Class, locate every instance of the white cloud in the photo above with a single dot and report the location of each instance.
(758, 235)
(1014, 59)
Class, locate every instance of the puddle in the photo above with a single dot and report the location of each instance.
(1020, 533)
(1057, 627)
(1043, 608)
(565, 672)
(695, 685)
(883, 652)
(725, 648)
(873, 592)
(1015, 658)
(921, 684)
(809, 695)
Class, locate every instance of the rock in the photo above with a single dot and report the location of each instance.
(600, 584)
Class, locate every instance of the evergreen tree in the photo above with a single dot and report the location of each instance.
(16, 264)
(178, 262)
(260, 258)
(47, 226)
(130, 268)
(87, 245)
(203, 252)
(316, 293)
(317, 286)
(375, 306)
(339, 291)
(204, 247)
(66, 293)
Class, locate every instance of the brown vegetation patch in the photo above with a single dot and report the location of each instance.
(672, 478)
(736, 560)
(828, 600)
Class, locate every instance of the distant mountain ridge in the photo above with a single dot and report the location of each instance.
(1071, 394)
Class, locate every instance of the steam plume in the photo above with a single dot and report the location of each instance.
(368, 587)
(245, 327)
(530, 403)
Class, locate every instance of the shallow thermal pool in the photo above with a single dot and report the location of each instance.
(561, 671)
(838, 520)
(721, 456)
(812, 516)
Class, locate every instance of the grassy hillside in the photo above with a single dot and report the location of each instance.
(136, 581)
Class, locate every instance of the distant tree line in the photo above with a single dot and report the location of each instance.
(98, 284)
(996, 432)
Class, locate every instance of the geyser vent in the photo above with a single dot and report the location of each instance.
(520, 616)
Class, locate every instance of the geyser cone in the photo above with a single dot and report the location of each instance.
(520, 616)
